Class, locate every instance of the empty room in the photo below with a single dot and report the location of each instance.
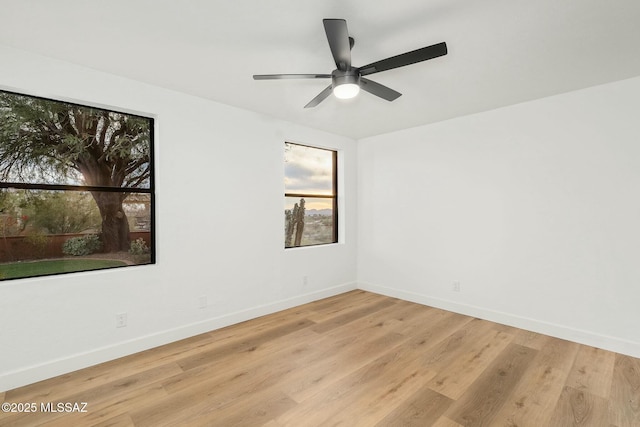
(417, 213)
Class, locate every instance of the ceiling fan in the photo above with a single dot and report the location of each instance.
(346, 80)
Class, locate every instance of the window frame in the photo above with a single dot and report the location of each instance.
(333, 196)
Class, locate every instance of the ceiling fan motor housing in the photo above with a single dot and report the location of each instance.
(350, 76)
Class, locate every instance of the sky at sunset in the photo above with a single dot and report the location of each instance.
(308, 170)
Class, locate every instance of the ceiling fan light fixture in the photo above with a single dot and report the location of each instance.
(346, 90)
(346, 84)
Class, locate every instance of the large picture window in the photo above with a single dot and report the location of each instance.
(310, 198)
(76, 187)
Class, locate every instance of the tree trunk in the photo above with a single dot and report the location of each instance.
(115, 226)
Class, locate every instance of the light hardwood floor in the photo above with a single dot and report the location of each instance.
(356, 359)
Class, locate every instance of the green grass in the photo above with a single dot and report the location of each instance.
(41, 268)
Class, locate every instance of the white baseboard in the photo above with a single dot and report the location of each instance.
(581, 336)
(32, 374)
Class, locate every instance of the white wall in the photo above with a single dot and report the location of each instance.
(534, 209)
(219, 185)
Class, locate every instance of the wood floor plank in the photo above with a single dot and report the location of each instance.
(136, 383)
(425, 355)
(356, 359)
(400, 318)
(320, 364)
(227, 365)
(624, 402)
(123, 420)
(440, 329)
(592, 371)
(446, 422)
(529, 339)
(343, 319)
(332, 397)
(263, 406)
(331, 307)
(422, 409)
(482, 401)
(534, 399)
(353, 299)
(579, 408)
(363, 348)
(249, 344)
(438, 354)
(396, 383)
(219, 391)
(304, 383)
(393, 318)
(462, 372)
(207, 402)
(115, 407)
(338, 356)
(114, 370)
(413, 318)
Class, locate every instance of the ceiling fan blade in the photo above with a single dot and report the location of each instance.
(290, 76)
(379, 90)
(338, 37)
(407, 58)
(320, 97)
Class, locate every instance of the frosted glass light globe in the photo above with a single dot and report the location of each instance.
(346, 91)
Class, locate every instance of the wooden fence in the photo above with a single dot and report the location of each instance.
(19, 248)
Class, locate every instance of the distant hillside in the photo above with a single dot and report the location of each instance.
(324, 212)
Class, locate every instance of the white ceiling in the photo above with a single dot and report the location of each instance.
(501, 52)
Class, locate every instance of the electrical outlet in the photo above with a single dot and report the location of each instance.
(202, 301)
(121, 320)
(455, 287)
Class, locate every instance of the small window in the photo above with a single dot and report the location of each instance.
(310, 196)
